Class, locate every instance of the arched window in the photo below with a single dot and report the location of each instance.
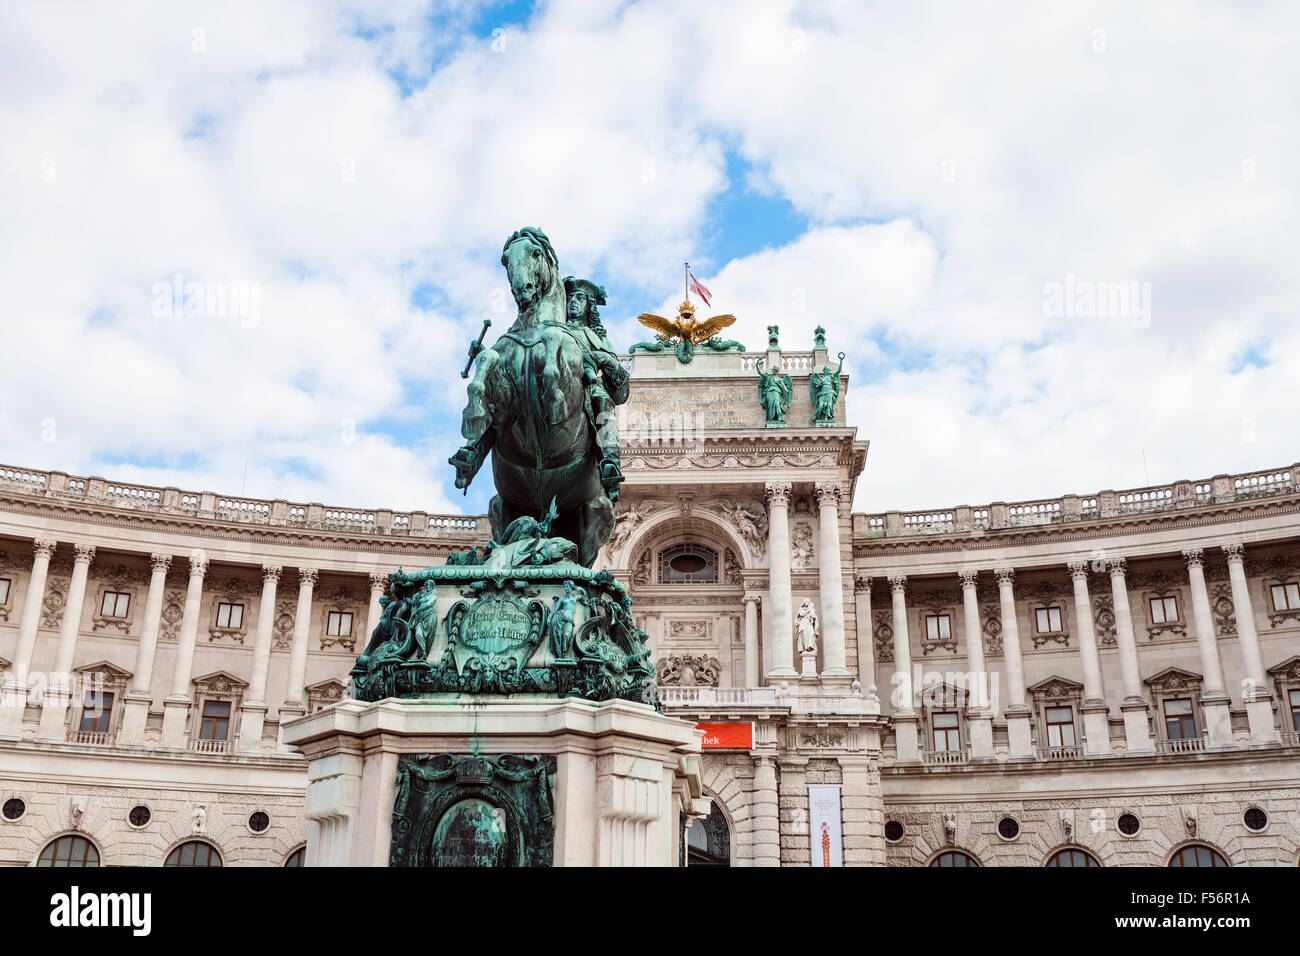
(297, 858)
(688, 564)
(953, 858)
(708, 841)
(1072, 858)
(194, 853)
(69, 850)
(1197, 855)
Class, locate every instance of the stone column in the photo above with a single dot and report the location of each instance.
(753, 670)
(979, 713)
(176, 706)
(135, 710)
(1215, 703)
(54, 712)
(905, 740)
(295, 693)
(378, 584)
(782, 616)
(1019, 736)
(253, 710)
(767, 834)
(14, 686)
(1096, 713)
(1137, 726)
(835, 673)
(1255, 693)
(866, 633)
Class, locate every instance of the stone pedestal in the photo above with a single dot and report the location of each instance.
(13, 703)
(906, 744)
(251, 723)
(1218, 722)
(1259, 715)
(980, 724)
(808, 671)
(1020, 738)
(135, 717)
(54, 716)
(1137, 728)
(622, 775)
(176, 712)
(1096, 729)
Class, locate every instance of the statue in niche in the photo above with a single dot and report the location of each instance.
(775, 389)
(805, 628)
(559, 626)
(824, 391)
(801, 551)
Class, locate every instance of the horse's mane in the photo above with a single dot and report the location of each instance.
(537, 238)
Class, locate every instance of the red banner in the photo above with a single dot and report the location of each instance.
(731, 736)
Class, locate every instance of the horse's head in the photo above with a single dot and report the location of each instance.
(531, 266)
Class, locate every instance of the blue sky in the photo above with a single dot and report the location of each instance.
(915, 179)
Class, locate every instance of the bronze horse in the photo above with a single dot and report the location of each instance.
(528, 406)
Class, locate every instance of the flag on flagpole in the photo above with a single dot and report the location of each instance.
(700, 290)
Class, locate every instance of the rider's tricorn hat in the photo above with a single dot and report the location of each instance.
(594, 292)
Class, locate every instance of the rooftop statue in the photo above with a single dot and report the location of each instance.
(541, 401)
(775, 389)
(824, 392)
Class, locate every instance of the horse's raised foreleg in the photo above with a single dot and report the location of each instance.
(474, 420)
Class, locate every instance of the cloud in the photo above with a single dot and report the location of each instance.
(361, 171)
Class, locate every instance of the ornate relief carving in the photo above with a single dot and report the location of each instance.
(324, 693)
(884, 636)
(173, 612)
(688, 629)
(1103, 617)
(821, 739)
(1225, 612)
(684, 670)
(749, 518)
(991, 618)
(801, 546)
(285, 611)
(731, 568)
(641, 572)
(56, 596)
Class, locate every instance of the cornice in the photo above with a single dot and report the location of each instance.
(1076, 531)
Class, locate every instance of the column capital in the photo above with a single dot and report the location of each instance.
(307, 577)
(968, 578)
(897, 583)
(1234, 552)
(862, 582)
(158, 561)
(1195, 557)
(271, 572)
(1005, 576)
(44, 547)
(828, 494)
(378, 581)
(1079, 569)
(778, 493)
(198, 561)
(85, 553)
(752, 597)
(1116, 566)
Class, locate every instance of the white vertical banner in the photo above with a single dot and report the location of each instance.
(824, 826)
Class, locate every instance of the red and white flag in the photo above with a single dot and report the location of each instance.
(699, 290)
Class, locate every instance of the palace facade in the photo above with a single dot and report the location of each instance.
(1103, 679)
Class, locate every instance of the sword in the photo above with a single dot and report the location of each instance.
(475, 348)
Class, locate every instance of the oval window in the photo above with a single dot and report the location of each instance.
(688, 564)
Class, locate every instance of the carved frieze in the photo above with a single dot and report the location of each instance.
(689, 629)
(685, 670)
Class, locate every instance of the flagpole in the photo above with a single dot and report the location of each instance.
(686, 279)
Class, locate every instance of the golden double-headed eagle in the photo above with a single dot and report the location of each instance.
(684, 328)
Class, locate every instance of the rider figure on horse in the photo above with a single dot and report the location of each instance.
(606, 378)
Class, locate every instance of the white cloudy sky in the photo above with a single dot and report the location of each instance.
(908, 175)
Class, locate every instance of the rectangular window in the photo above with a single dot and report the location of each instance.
(4, 590)
(230, 615)
(96, 708)
(946, 734)
(1179, 724)
(1060, 726)
(1164, 610)
(216, 720)
(339, 624)
(938, 627)
(1286, 597)
(1295, 710)
(115, 604)
(1049, 620)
